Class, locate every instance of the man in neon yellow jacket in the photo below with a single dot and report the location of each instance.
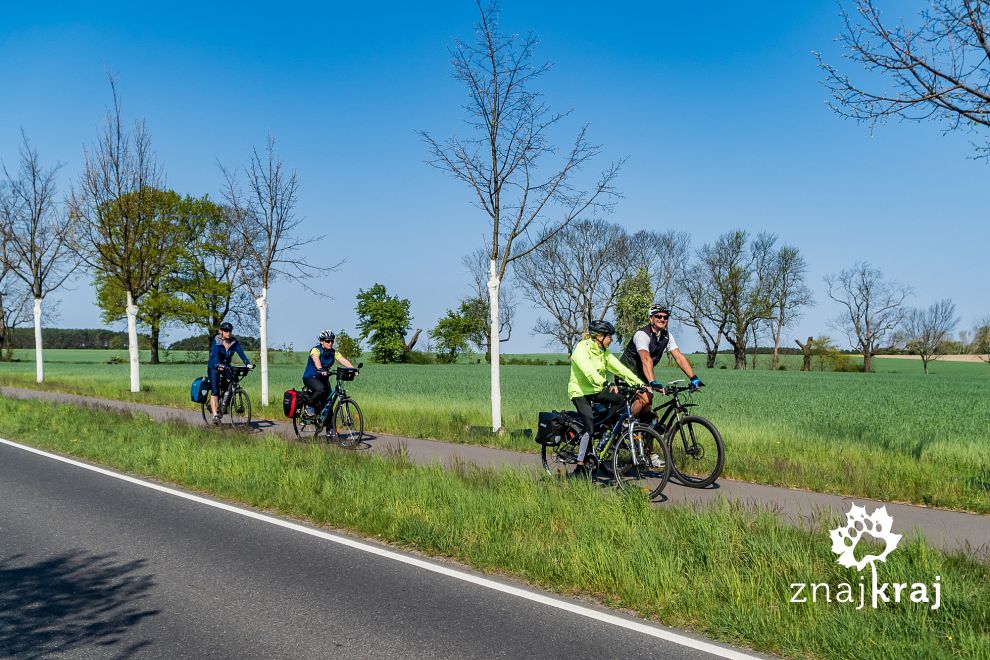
(590, 360)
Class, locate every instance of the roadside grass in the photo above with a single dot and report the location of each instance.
(896, 435)
(722, 571)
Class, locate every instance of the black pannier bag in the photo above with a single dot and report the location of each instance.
(548, 428)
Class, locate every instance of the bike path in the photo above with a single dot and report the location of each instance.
(948, 530)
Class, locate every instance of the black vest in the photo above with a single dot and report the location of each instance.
(658, 344)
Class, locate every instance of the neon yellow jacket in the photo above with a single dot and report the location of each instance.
(588, 366)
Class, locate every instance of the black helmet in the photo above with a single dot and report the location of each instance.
(227, 326)
(327, 335)
(601, 327)
(658, 307)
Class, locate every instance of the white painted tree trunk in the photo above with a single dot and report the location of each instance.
(263, 326)
(493, 285)
(38, 357)
(132, 344)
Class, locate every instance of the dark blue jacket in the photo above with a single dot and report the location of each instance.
(326, 355)
(221, 355)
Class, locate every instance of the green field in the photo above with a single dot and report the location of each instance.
(894, 435)
(723, 571)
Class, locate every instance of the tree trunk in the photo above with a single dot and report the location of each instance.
(806, 353)
(739, 352)
(39, 359)
(412, 342)
(711, 355)
(263, 332)
(132, 344)
(496, 385)
(156, 331)
(775, 358)
(867, 361)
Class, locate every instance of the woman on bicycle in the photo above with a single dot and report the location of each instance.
(317, 374)
(222, 350)
(590, 361)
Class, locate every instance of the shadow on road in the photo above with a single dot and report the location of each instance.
(69, 602)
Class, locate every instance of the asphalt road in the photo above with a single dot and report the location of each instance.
(92, 566)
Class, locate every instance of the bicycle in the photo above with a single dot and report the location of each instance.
(690, 439)
(232, 401)
(626, 445)
(343, 411)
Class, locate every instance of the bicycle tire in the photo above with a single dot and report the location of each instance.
(239, 409)
(632, 474)
(348, 423)
(307, 431)
(691, 441)
(560, 460)
(207, 411)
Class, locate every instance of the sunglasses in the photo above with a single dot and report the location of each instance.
(662, 317)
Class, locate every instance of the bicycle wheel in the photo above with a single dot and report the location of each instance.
(207, 411)
(348, 423)
(239, 409)
(633, 463)
(561, 459)
(307, 430)
(697, 451)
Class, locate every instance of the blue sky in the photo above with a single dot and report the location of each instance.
(718, 107)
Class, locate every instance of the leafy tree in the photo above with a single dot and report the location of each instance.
(384, 320)
(177, 227)
(635, 295)
(349, 346)
(828, 355)
(476, 314)
(451, 335)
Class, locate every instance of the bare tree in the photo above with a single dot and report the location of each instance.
(806, 349)
(477, 265)
(36, 234)
(524, 199)
(740, 284)
(937, 70)
(666, 256)
(927, 330)
(266, 219)
(698, 307)
(14, 299)
(119, 233)
(789, 296)
(981, 340)
(874, 308)
(575, 277)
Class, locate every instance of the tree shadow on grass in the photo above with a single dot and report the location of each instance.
(72, 601)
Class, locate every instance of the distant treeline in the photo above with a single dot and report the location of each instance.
(75, 338)
(109, 339)
(202, 343)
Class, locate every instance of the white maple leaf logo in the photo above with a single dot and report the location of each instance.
(877, 525)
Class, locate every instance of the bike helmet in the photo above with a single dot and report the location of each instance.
(327, 335)
(659, 308)
(601, 327)
(227, 326)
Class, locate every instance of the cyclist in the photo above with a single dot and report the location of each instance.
(317, 374)
(645, 349)
(590, 361)
(222, 350)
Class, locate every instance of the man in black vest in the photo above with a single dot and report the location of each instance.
(647, 346)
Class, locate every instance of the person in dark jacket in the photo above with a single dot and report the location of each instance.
(317, 374)
(222, 350)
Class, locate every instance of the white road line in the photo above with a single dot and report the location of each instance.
(636, 626)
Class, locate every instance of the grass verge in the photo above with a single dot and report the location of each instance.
(722, 571)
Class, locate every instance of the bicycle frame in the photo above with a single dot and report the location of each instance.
(673, 409)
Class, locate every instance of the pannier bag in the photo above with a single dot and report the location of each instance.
(548, 428)
(200, 390)
(291, 403)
